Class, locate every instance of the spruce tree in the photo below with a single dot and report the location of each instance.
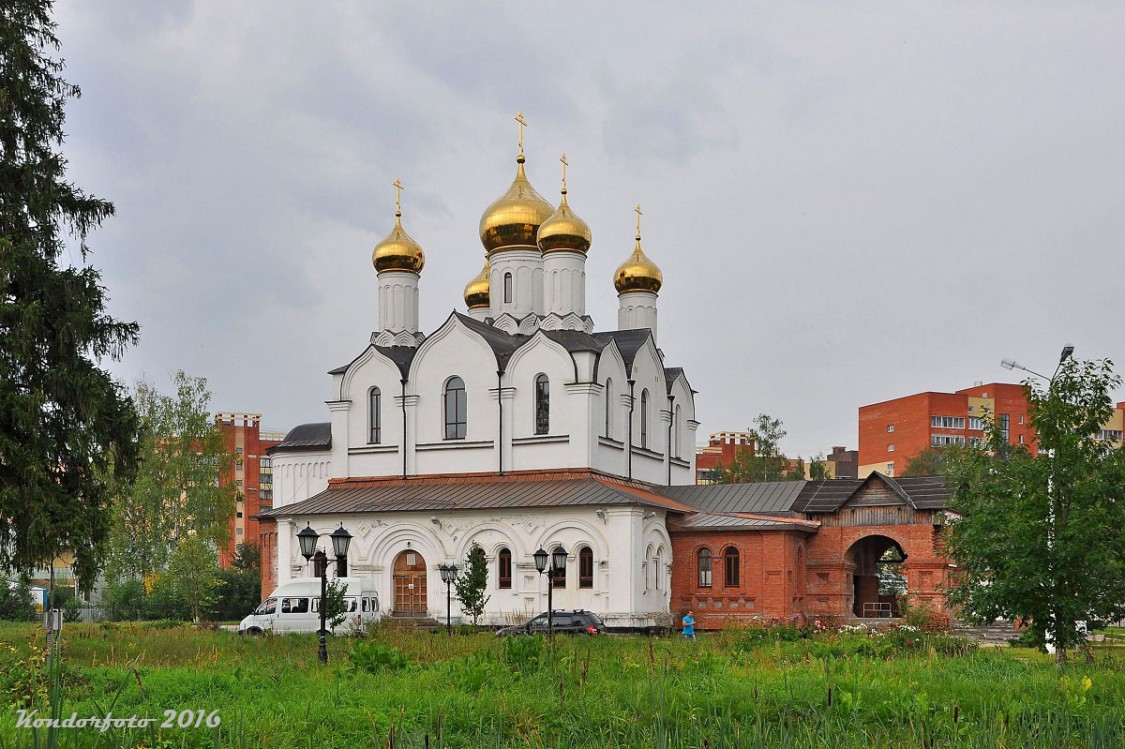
(472, 582)
(65, 424)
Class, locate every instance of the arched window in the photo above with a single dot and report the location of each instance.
(542, 404)
(507, 288)
(375, 417)
(660, 568)
(504, 569)
(558, 576)
(644, 419)
(730, 567)
(585, 567)
(609, 408)
(705, 568)
(455, 417)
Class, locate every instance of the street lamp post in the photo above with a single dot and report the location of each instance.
(558, 563)
(448, 575)
(1067, 352)
(341, 539)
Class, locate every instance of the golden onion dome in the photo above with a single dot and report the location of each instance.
(638, 273)
(477, 290)
(513, 219)
(564, 230)
(398, 251)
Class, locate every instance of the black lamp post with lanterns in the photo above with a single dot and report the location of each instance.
(341, 539)
(448, 575)
(558, 564)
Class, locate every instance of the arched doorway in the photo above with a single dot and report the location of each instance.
(877, 581)
(410, 584)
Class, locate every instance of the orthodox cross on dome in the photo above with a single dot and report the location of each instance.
(398, 197)
(638, 212)
(565, 164)
(523, 124)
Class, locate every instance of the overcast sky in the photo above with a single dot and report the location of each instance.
(850, 202)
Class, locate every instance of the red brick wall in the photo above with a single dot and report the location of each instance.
(790, 575)
(770, 581)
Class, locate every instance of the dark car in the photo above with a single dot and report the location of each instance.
(566, 622)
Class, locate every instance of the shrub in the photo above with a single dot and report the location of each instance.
(16, 602)
(375, 658)
(522, 653)
(23, 676)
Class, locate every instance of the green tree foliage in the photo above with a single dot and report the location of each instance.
(763, 461)
(1042, 538)
(240, 588)
(176, 493)
(65, 424)
(471, 583)
(193, 573)
(818, 468)
(335, 607)
(16, 601)
(929, 462)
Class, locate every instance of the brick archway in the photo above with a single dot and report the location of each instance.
(870, 561)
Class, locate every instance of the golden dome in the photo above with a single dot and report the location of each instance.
(514, 218)
(477, 290)
(564, 230)
(398, 251)
(638, 273)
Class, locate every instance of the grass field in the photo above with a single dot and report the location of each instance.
(738, 688)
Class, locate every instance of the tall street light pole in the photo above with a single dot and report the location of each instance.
(1067, 352)
(341, 539)
(448, 575)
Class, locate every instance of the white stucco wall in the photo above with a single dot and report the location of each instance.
(627, 590)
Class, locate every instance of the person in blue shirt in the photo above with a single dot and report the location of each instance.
(689, 626)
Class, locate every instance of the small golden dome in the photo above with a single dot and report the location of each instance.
(638, 273)
(514, 218)
(398, 251)
(477, 290)
(564, 230)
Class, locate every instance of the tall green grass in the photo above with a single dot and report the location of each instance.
(476, 691)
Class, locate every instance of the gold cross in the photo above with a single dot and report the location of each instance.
(638, 211)
(523, 124)
(564, 163)
(398, 196)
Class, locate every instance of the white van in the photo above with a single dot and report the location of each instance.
(295, 607)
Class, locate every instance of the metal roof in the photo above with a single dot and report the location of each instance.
(305, 437)
(762, 497)
(703, 521)
(422, 494)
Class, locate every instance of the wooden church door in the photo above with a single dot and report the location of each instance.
(410, 584)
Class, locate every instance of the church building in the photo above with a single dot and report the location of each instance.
(518, 426)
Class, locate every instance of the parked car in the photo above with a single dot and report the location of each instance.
(566, 622)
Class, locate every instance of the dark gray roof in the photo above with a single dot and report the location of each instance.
(502, 344)
(926, 492)
(426, 495)
(763, 497)
(629, 342)
(825, 496)
(922, 493)
(670, 375)
(400, 355)
(575, 340)
(305, 437)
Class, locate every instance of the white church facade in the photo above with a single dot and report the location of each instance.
(516, 425)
